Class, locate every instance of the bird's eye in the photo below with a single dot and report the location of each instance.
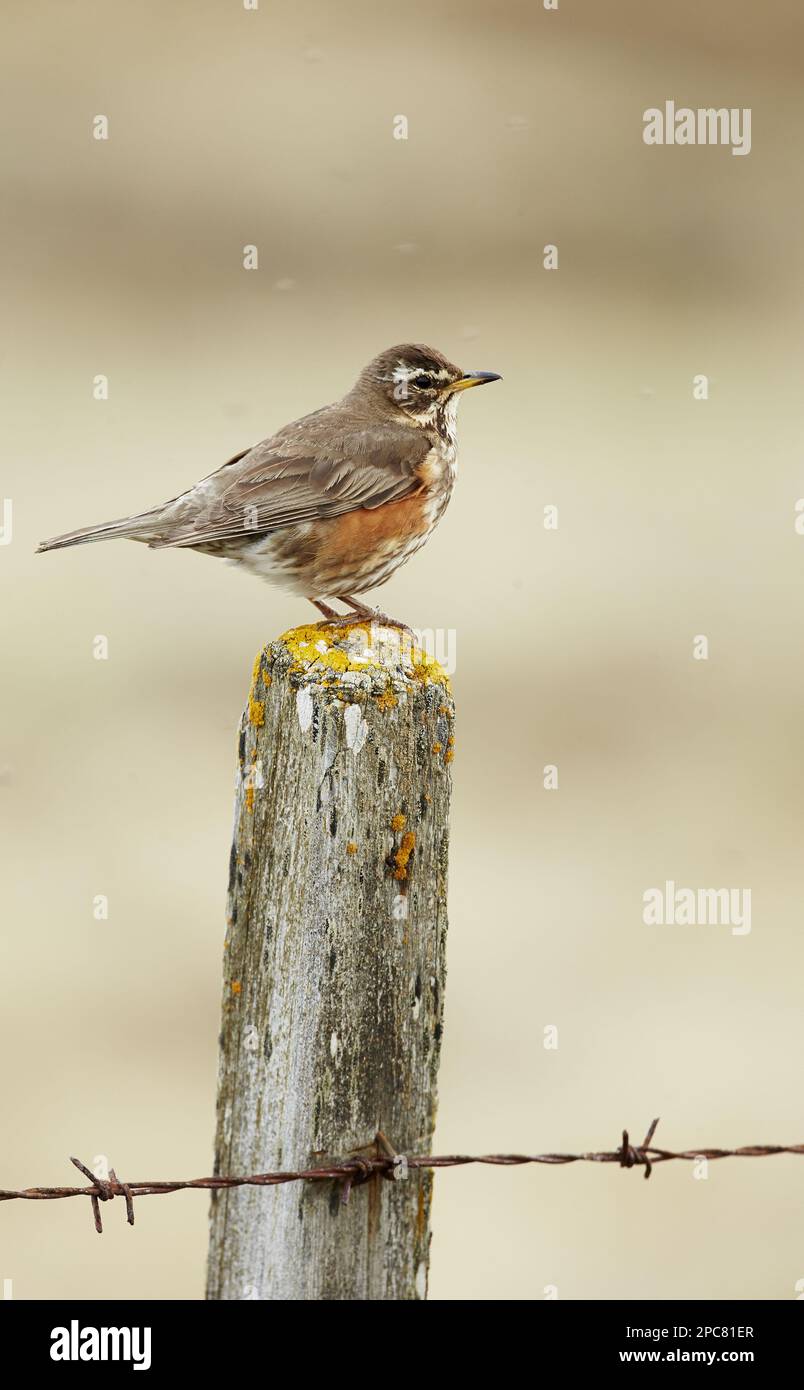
(422, 382)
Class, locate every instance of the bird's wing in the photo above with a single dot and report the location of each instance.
(268, 488)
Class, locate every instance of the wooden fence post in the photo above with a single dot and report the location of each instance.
(333, 992)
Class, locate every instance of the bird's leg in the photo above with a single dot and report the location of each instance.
(324, 608)
(359, 612)
(358, 609)
(363, 612)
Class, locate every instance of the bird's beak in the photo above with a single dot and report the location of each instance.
(474, 379)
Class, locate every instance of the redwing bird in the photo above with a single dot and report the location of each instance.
(332, 504)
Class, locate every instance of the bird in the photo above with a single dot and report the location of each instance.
(332, 504)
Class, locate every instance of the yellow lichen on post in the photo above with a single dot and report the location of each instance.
(402, 856)
(337, 653)
(256, 708)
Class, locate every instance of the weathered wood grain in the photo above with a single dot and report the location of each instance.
(334, 964)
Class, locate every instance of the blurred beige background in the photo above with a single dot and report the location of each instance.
(274, 127)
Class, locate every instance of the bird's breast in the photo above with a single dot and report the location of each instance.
(436, 474)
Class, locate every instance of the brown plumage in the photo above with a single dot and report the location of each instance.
(331, 504)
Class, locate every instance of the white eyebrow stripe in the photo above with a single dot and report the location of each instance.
(404, 372)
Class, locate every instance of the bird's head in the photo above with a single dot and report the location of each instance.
(417, 381)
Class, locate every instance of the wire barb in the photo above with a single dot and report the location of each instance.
(126, 1191)
(630, 1157)
(359, 1170)
(399, 1170)
(102, 1192)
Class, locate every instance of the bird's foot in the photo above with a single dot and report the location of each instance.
(362, 613)
(358, 613)
(385, 620)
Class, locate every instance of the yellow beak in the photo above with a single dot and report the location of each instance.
(473, 379)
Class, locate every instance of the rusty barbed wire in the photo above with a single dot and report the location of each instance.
(384, 1163)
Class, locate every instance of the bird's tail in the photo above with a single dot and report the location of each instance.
(127, 527)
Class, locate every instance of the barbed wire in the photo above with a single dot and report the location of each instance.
(384, 1163)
